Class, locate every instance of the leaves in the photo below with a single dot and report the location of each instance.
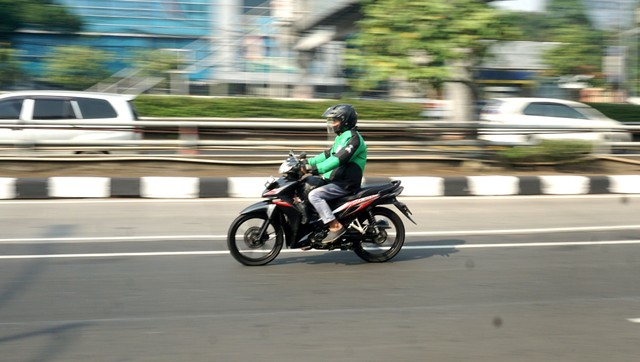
(10, 69)
(444, 32)
(38, 14)
(565, 22)
(76, 67)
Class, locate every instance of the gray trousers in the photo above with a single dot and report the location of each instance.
(319, 197)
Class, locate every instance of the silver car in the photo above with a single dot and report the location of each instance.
(580, 120)
(19, 110)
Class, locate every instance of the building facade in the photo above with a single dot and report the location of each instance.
(223, 46)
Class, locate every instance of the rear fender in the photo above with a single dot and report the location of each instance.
(404, 209)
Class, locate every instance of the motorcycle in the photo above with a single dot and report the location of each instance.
(374, 233)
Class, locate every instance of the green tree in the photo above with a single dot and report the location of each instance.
(10, 18)
(76, 67)
(566, 22)
(581, 46)
(579, 52)
(10, 69)
(157, 63)
(563, 12)
(420, 40)
(35, 14)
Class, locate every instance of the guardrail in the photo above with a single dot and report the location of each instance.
(264, 133)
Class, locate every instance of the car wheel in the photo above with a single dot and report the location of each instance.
(533, 139)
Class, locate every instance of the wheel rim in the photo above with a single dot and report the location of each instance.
(384, 240)
(252, 239)
(245, 239)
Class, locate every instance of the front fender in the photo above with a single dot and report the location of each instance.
(261, 206)
(268, 208)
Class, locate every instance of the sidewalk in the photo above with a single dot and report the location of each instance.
(251, 187)
(183, 180)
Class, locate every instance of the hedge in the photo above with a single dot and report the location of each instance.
(245, 107)
(173, 106)
(622, 112)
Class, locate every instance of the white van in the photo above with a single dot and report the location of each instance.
(19, 109)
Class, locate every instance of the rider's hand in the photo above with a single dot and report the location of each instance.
(303, 169)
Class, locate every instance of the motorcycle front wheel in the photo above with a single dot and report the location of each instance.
(247, 242)
(383, 238)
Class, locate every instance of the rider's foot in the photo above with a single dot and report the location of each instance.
(334, 235)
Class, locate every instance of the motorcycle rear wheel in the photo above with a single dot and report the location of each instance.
(384, 244)
(247, 246)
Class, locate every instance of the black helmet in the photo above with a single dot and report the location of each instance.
(345, 113)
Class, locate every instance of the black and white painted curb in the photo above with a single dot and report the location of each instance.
(252, 187)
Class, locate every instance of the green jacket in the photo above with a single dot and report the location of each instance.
(342, 164)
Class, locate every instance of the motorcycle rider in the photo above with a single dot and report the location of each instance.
(342, 166)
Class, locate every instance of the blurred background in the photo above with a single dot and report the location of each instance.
(414, 50)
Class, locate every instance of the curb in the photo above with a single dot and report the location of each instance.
(252, 187)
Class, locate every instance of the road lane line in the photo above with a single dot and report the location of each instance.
(634, 320)
(527, 231)
(114, 255)
(415, 233)
(114, 238)
(247, 200)
(406, 247)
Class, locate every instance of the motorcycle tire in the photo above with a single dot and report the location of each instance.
(386, 242)
(245, 243)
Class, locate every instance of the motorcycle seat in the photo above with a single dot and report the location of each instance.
(368, 191)
(377, 189)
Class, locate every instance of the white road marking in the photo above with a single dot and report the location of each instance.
(406, 247)
(114, 255)
(106, 239)
(527, 231)
(634, 320)
(97, 239)
(248, 199)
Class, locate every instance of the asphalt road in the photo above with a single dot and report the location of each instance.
(481, 279)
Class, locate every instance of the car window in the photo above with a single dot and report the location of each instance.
(133, 110)
(590, 113)
(10, 108)
(552, 110)
(53, 109)
(96, 108)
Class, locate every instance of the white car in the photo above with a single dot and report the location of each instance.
(18, 111)
(547, 112)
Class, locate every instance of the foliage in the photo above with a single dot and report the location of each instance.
(35, 14)
(565, 22)
(172, 106)
(10, 69)
(156, 63)
(419, 40)
(580, 52)
(76, 67)
(528, 26)
(180, 106)
(621, 112)
(10, 18)
(554, 151)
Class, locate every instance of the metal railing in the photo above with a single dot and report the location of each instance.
(196, 134)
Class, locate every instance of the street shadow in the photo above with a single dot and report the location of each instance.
(60, 336)
(410, 252)
(31, 270)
